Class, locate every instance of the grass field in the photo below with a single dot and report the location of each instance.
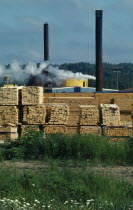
(63, 188)
(63, 172)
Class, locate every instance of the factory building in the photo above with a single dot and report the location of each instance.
(72, 82)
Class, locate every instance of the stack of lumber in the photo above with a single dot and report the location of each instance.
(9, 96)
(118, 131)
(110, 114)
(123, 100)
(32, 95)
(89, 115)
(50, 129)
(35, 114)
(8, 132)
(74, 102)
(25, 128)
(57, 114)
(8, 114)
(90, 130)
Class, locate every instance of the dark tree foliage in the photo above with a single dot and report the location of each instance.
(125, 80)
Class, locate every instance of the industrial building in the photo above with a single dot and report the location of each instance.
(70, 109)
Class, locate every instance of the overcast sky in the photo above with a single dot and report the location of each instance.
(71, 30)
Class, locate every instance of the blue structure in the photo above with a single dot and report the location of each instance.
(76, 90)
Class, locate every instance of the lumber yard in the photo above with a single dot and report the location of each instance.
(23, 108)
(96, 111)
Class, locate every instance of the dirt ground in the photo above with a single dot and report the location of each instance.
(120, 172)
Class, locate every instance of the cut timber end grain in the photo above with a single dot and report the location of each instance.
(32, 95)
(8, 114)
(34, 114)
(118, 131)
(89, 115)
(26, 128)
(57, 114)
(90, 130)
(9, 96)
(50, 129)
(110, 114)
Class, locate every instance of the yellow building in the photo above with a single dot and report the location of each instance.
(75, 82)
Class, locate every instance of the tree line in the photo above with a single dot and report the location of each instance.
(125, 76)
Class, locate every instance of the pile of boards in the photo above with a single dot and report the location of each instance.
(57, 118)
(110, 114)
(118, 132)
(23, 108)
(20, 107)
(9, 99)
(74, 101)
(89, 120)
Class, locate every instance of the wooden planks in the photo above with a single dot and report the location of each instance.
(25, 128)
(90, 130)
(9, 96)
(57, 114)
(32, 95)
(8, 114)
(54, 129)
(89, 115)
(34, 114)
(110, 114)
(118, 131)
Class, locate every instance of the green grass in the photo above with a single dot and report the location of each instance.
(65, 187)
(92, 148)
(62, 186)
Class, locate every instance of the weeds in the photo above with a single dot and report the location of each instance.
(91, 148)
(65, 188)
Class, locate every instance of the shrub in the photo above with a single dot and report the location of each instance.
(95, 148)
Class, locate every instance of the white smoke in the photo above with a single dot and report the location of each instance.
(18, 74)
(61, 75)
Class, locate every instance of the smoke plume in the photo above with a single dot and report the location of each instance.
(20, 75)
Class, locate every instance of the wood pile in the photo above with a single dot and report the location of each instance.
(123, 100)
(34, 114)
(8, 114)
(57, 114)
(73, 95)
(50, 129)
(8, 132)
(74, 102)
(26, 128)
(118, 131)
(32, 95)
(110, 114)
(89, 115)
(9, 96)
(90, 130)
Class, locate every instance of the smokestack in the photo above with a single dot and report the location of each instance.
(46, 42)
(99, 68)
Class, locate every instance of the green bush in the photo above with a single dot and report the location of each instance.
(94, 148)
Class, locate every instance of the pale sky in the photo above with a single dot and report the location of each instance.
(71, 30)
